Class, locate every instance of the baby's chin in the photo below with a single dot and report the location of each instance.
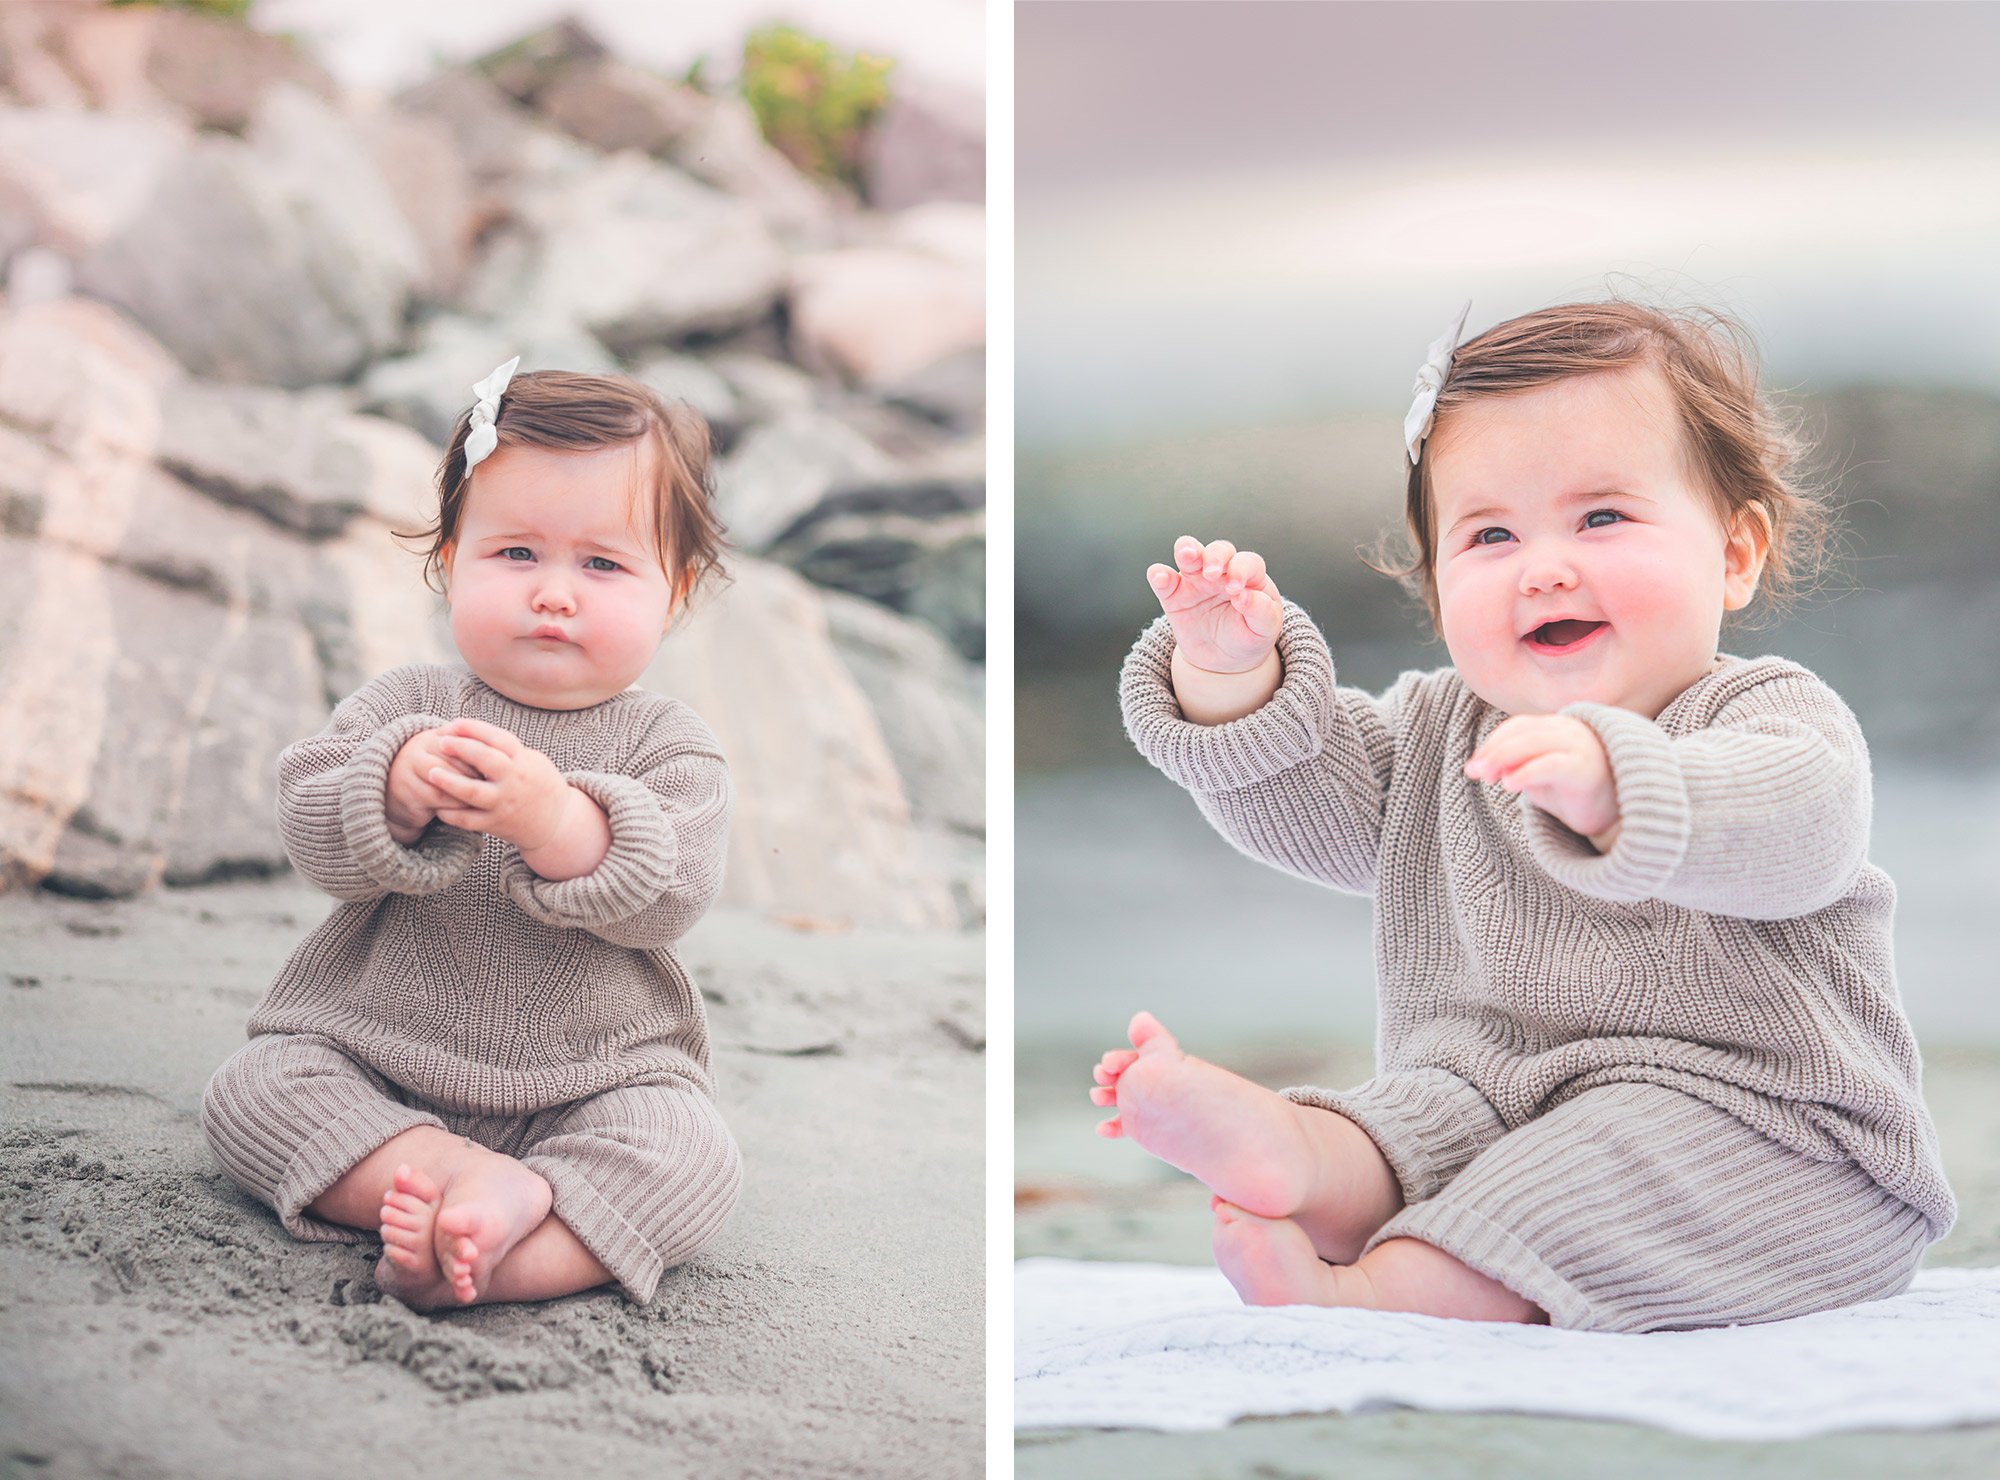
(526, 689)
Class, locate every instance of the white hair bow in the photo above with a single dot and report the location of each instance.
(484, 436)
(1430, 380)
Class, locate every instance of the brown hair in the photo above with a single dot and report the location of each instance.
(1746, 453)
(581, 413)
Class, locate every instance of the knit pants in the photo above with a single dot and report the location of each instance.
(643, 1176)
(1634, 1207)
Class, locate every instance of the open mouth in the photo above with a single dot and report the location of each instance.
(1565, 636)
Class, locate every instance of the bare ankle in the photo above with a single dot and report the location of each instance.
(1353, 1190)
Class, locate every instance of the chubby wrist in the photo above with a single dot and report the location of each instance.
(1210, 698)
(581, 838)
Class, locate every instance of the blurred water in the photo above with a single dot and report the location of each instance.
(1126, 899)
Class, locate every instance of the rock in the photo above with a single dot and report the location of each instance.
(930, 703)
(946, 230)
(685, 379)
(929, 144)
(918, 547)
(81, 177)
(30, 70)
(611, 105)
(639, 254)
(878, 314)
(38, 275)
(768, 388)
(302, 461)
(950, 392)
(822, 824)
(432, 187)
(725, 148)
(215, 72)
(494, 135)
(524, 68)
(783, 469)
(431, 387)
(85, 381)
(283, 260)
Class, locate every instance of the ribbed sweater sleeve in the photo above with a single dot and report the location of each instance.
(333, 801)
(1763, 815)
(669, 837)
(1300, 782)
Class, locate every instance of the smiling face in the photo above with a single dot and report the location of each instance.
(558, 598)
(1571, 502)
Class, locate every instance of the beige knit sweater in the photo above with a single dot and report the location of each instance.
(1734, 944)
(451, 966)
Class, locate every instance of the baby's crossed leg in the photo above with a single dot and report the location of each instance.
(1299, 1190)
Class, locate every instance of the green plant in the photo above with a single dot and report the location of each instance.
(233, 10)
(814, 104)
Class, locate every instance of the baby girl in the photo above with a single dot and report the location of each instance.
(488, 1053)
(1641, 1063)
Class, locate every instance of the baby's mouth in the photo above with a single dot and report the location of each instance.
(1562, 636)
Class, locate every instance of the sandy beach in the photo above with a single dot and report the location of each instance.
(156, 1321)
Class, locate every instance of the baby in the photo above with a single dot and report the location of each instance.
(1642, 1063)
(488, 1053)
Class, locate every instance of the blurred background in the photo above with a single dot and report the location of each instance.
(1239, 227)
(256, 252)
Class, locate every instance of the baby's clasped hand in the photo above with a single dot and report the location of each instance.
(1558, 762)
(516, 793)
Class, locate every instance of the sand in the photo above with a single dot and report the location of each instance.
(157, 1321)
(1083, 1198)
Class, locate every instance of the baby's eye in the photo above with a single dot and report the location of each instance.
(606, 564)
(509, 552)
(1479, 535)
(1594, 513)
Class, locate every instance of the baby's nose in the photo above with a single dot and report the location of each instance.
(554, 596)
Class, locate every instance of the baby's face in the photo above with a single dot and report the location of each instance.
(556, 599)
(1571, 501)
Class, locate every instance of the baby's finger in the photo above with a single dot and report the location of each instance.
(463, 789)
(1215, 559)
(1188, 553)
(469, 818)
(1261, 612)
(474, 757)
(1164, 580)
(1244, 571)
(1543, 770)
(1103, 1097)
(500, 739)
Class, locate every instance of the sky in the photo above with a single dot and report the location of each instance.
(1234, 211)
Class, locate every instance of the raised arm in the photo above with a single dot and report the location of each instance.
(332, 800)
(669, 825)
(1761, 814)
(1300, 782)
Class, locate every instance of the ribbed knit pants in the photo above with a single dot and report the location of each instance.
(1634, 1207)
(643, 1176)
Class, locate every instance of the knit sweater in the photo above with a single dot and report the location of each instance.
(1734, 944)
(451, 966)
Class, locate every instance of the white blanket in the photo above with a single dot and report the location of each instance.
(1154, 1346)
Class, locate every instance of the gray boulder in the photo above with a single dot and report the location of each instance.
(784, 468)
(929, 144)
(282, 259)
(639, 254)
(431, 386)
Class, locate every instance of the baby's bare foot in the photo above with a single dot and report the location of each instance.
(1237, 1138)
(408, 1268)
(1271, 1261)
(490, 1204)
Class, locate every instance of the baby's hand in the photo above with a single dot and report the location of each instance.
(1225, 611)
(411, 800)
(510, 790)
(1559, 763)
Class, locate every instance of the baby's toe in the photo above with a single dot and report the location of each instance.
(414, 1183)
(1104, 1097)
